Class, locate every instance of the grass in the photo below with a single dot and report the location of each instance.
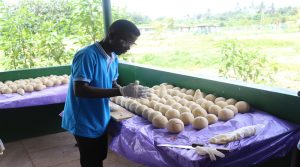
(194, 53)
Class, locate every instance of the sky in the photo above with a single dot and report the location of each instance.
(181, 8)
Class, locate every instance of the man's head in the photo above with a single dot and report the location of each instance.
(121, 35)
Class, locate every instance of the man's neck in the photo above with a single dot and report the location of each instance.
(105, 48)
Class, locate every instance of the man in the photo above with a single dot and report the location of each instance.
(94, 72)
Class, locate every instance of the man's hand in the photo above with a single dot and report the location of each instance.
(134, 90)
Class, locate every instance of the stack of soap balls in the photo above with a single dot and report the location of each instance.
(174, 107)
(29, 85)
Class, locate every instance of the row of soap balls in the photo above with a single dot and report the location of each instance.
(32, 84)
(161, 119)
(161, 115)
(165, 90)
(208, 102)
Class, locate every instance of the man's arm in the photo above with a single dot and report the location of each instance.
(116, 85)
(83, 89)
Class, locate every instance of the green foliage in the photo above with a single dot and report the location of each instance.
(38, 33)
(243, 63)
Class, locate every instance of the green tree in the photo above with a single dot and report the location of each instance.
(244, 63)
(36, 33)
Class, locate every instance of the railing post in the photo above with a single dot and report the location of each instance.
(106, 14)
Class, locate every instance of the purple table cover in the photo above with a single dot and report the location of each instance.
(137, 140)
(51, 95)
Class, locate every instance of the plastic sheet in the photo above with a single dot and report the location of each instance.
(51, 95)
(137, 140)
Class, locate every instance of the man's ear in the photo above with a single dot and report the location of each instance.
(111, 37)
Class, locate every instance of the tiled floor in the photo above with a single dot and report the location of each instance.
(55, 150)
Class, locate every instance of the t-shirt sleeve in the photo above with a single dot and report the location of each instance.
(83, 66)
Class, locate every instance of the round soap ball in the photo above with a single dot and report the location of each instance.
(133, 106)
(189, 103)
(174, 92)
(193, 106)
(169, 86)
(145, 102)
(233, 108)
(29, 88)
(214, 109)
(162, 100)
(13, 87)
(207, 104)
(21, 91)
(7, 90)
(155, 87)
(225, 114)
(242, 107)
(210, 97)
(147, 112)
(175, 125)
(188, 97)
(200, 123)
(57, 82)
(139, 110)
(172, 113)
(152, 115)
(159, 121)
(199, 111)
(124, 101)
(65, 81)
(39, 87)
(152, 103)
(220, 99)
(170, 102)
(187, 118)
(183, 101)
(221, 104)
(176, 106)
(183, 90)
(176, 98)
(177, 88)
(127, 104)
(181, 95)
(164, 108)
(157, 106)
(49, 83)
(198, 93)
(190, 92)
(118, 100)
(184, 109)
(211, 118)
(200, 101)
(231, 101)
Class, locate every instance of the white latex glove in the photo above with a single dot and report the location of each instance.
(236, 135)
(1, 147)
(134, 90)
(212, 152)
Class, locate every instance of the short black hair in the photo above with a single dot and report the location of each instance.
(124, 26)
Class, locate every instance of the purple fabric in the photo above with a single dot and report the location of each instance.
(51, 95)
(137, 141)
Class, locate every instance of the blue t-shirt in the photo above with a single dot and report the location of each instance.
(88, 117)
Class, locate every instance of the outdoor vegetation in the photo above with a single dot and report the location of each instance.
(257, 44)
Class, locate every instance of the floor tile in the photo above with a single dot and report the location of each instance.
(75, 163)
(48, 141)
(15, 155)
(55, 155)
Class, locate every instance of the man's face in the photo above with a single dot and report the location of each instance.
(120, 44)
